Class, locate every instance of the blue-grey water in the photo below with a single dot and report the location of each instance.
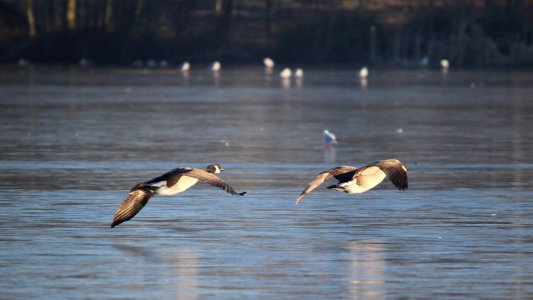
(74, 141)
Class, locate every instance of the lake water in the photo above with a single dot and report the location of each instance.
(74, 141)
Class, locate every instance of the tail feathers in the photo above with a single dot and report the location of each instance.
(242, 194)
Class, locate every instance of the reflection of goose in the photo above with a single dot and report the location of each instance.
(363, 73)
(216, 66)
(329, 138)
(354, 180)
(444, 64)
(286, 73)
(269, 63)
(185, 66)
(299, 73)
(170, 183)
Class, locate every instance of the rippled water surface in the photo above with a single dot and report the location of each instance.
(73, 141)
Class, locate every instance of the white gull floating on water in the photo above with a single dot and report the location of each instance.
(286, 73)
(363, 73)
(329, 138)
(268, 62)
(216, 66)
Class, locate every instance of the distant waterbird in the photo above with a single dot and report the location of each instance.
(151, 63)
(85, 62)
(185, 67)
(329, 138)
(299, 73)
(286, 73)
(170, 183)
(216, 66)
(363, 73)
(444, 64)
(353, 180)
(23, 62)
(268, 62)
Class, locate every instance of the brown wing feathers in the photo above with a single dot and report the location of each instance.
(211, 179)
(395, 171)
(340, 173)
(135, 201)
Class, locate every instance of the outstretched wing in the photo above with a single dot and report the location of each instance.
(136, 200)
(206, 177)
(339, 173)
(396, 171)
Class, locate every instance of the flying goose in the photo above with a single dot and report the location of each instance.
(170, 183)
(354, 180)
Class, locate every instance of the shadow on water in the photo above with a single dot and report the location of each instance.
(74, 141)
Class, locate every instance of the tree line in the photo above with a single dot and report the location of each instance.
(380, 32)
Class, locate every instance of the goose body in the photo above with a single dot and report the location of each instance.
(353, 180)
(170, 183)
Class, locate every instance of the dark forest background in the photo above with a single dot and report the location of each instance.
(380, 32)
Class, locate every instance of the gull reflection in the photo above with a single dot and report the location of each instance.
(367, 269)
(286, 83)
(330, 154)
(364, 83)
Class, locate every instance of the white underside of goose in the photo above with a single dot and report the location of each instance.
(184, 183)
(358, 186)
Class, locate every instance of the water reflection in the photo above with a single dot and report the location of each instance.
(72, 142)
(286, 83)
(330, 153)
(185, 264)
(299, 82)
(363, 82)
(367, 269)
